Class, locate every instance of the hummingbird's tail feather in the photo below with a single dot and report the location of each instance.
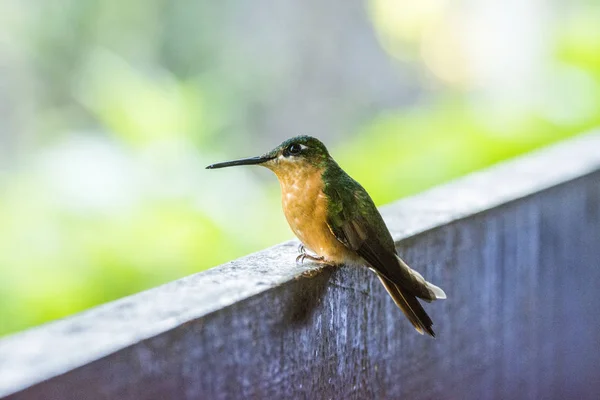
(410, 306)
(433, 292)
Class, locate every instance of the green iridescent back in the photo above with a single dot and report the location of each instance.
(350, 202)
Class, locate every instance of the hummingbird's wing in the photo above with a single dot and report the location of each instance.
(355, 221)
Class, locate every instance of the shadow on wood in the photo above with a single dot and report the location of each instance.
(303, 298)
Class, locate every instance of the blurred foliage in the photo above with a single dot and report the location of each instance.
(393, 159)
(62, 251)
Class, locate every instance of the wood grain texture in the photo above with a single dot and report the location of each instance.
(516, 248)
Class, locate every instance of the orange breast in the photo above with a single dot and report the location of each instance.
(305, 208)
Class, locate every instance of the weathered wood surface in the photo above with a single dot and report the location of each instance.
(516, 248)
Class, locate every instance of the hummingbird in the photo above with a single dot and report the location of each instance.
(337, 221)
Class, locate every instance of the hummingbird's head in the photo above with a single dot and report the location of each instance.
(297, 153)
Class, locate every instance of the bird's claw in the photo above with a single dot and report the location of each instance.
(319, 260)
(301, 249)
(304, 255)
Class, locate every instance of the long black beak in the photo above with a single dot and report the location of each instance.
(243, 161)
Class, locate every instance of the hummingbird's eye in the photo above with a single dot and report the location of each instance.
(293, 149)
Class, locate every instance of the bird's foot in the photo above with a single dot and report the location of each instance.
(318, 260)
(305, 256)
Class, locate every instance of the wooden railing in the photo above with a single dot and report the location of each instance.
(515, 247)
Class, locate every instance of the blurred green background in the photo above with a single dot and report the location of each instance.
(109, 111)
